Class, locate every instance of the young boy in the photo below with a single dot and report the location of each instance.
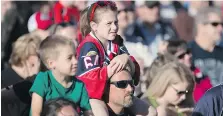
(58, 55)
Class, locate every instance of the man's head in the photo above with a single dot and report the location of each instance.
(121, 89)
(149, 12)
(208, 22)
(58, 54)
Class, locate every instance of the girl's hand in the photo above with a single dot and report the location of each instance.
(119, 62)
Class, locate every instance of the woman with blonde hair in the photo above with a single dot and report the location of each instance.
(172, 84)
(24, 61)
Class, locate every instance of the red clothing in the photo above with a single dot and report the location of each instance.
(203, 83)
(62, 14)
(93, 61)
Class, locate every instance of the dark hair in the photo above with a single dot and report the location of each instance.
(175, 44)
(91, 14)
(53, 106)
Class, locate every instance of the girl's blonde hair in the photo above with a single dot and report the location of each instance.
(170, 73)
(24, 46)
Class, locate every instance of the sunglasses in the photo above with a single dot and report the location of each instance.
(180, 92)
(100, 4)
(123, 84)
(215, 24)
(183, 54)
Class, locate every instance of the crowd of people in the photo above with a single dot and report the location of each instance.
(112, 58)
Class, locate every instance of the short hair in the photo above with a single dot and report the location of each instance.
(25, 46)
(53, 106)
(203, 13)
(174, 46)
(50, 47)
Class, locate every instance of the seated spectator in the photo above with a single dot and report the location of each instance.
(179, 49)
(206, 55)
(58, 55)
(59, 107)
(119, 96)
(41, 19)
(24, 60)
(148, 31)
(177, 85)
(65, 11)
(211, 104)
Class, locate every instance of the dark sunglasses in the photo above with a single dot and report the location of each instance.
(183, 54)
(123, 84)
(100, 4)
(215, 24)
(180, 92)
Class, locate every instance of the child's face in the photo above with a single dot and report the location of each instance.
(66, 63)
(107, 27)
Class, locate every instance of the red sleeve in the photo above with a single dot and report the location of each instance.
(90, 71)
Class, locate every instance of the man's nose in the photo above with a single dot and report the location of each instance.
(130, 88)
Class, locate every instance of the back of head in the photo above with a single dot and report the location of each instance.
(52, 107)
(50, 47)
(25, 46)
(93, 12)
(170, 73)
(159, 62)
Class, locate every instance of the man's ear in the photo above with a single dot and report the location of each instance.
(94, 26)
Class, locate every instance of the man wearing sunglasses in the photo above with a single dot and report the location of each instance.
(205, 53)
(119, 95)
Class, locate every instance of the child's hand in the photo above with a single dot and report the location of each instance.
(121, 61)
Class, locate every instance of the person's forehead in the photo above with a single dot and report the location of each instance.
(214, 17)
(108, 16)
(122, 75)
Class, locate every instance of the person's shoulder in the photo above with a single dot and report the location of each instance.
(214, 92)
(43, 76)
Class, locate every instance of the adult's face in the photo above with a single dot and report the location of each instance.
(121, 89)
(212, 28)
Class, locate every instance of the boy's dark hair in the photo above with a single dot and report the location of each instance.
(53, 106)
(174, 45)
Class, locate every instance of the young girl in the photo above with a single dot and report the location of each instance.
(177, 85)
(102, 53)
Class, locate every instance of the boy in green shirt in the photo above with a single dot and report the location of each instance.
(58, 55)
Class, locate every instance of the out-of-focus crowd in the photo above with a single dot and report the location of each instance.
(178, 46)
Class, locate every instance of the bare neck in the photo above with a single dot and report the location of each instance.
(21, 71)
(205, 43)
(117, 109)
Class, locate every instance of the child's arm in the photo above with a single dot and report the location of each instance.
(36, 105)
(38, 91)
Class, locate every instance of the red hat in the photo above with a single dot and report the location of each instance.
(40, 21)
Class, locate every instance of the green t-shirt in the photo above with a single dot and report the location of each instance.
(48, 87)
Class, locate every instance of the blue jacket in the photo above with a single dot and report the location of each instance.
(211, 104)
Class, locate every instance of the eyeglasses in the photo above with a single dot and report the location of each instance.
(123, 84)
(215, 24)
(180, 92)
(183, 54)
(100, 4)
